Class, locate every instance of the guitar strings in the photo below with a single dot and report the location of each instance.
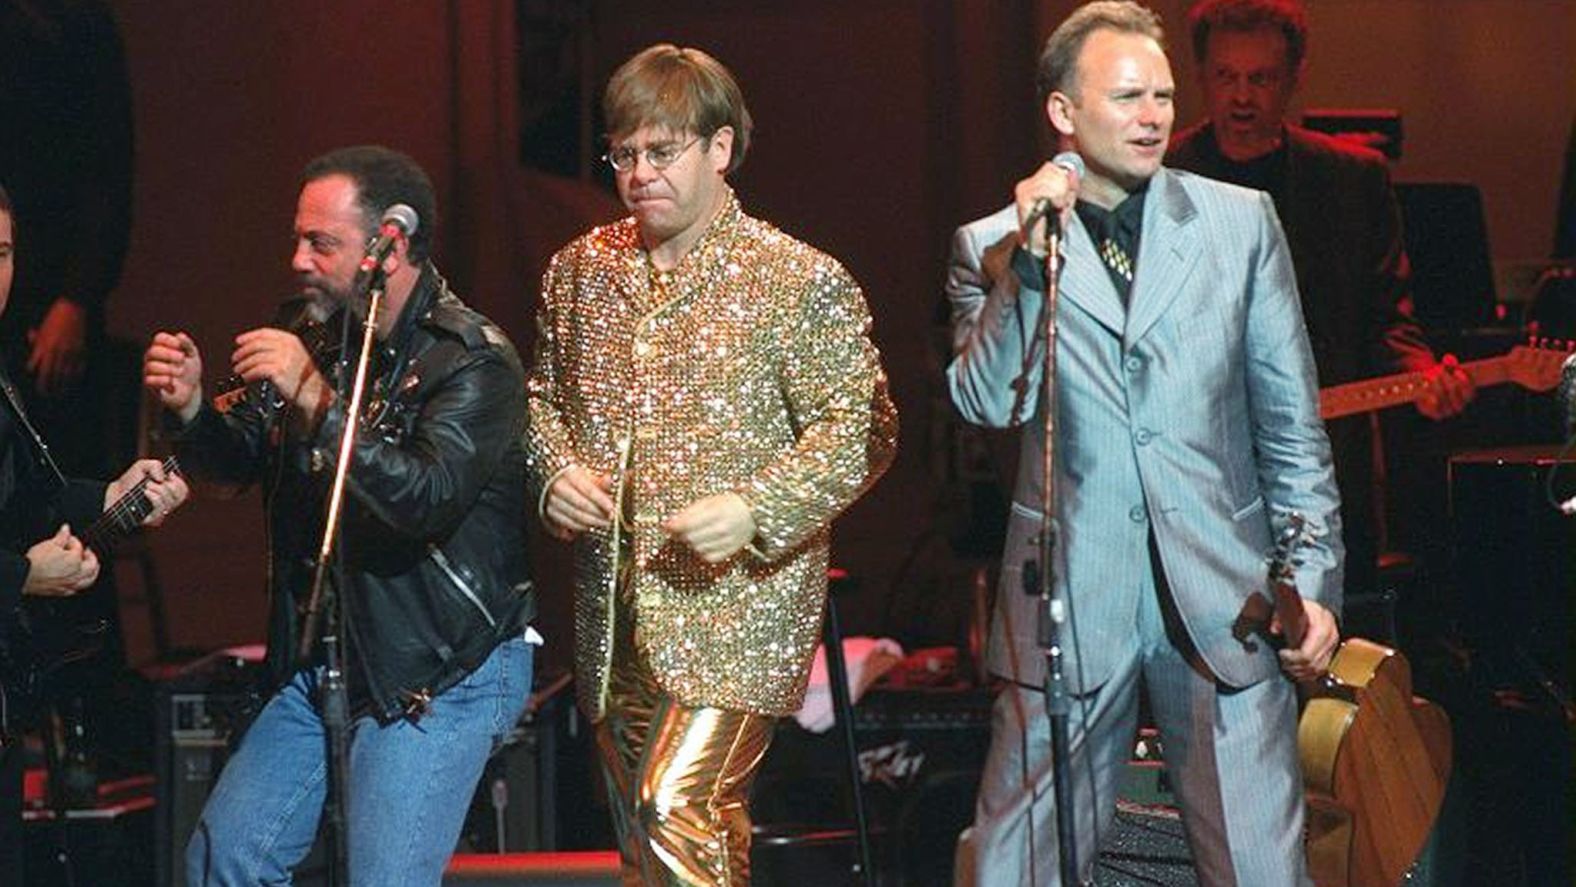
(126, 505)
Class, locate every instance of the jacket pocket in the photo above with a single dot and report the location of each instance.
(460, 583)
(1248, 510)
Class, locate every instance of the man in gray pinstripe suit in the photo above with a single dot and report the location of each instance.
(1187, 428)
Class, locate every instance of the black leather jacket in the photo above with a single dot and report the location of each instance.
(433, 538)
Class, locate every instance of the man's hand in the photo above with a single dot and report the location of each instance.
(1311, 658)
(579, 500)
(59, 345)
(279, 357)
(715, 527)
(60, 565)
(1051, 183)
(165, 491)
(1449, 390)
(172, 369)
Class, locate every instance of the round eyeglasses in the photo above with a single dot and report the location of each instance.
(659, 156)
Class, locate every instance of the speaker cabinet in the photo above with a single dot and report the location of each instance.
(920, 756)
(539, 792)
(1515, 555)
(196, 718)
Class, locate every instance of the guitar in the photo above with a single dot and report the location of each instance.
(53, 632)
(1375, 759)
(1534, 366)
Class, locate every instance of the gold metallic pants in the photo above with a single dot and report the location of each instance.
(678, 778)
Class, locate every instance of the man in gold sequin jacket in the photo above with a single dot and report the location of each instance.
(705, 400)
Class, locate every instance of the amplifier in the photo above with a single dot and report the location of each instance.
(536, 794)
(1514, 568)
(539, 791)
(197, 716)
(920, 756)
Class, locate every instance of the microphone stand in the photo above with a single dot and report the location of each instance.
(1039, 578)
(328, 604)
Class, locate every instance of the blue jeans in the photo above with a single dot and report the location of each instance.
(410, 782)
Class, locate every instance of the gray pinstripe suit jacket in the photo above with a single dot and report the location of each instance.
(1193, 412)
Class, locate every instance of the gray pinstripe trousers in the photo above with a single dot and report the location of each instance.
(1232, 755)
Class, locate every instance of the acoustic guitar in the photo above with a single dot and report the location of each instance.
(1534, 366)
(1375, 759)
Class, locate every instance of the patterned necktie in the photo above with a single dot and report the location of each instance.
(1115, 234)
(1117, 260)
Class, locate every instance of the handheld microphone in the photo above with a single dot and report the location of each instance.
(305, 318)
(1070, 161)
(398, 221)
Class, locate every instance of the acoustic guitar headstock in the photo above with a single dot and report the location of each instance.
(1289, 540)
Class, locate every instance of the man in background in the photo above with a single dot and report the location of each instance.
(1343, 226)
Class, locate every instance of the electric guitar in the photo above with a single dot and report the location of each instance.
(1534, 366)
(53, 632)
(1375, 759)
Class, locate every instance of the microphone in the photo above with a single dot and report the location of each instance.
(307, 325)
(399, 221)
(1070, 161)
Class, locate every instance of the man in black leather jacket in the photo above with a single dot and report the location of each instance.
(435, 590)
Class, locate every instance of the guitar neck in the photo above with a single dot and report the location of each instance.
(1390, 391)
(1293, 616)
(124, 515)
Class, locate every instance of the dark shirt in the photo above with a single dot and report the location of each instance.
(1263, 173)
(1123, 226)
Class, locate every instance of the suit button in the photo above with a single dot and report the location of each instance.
(1136, 514)
(1143, 436)
(1133, 364)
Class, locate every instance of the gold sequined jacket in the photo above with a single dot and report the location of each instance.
(748, 368)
